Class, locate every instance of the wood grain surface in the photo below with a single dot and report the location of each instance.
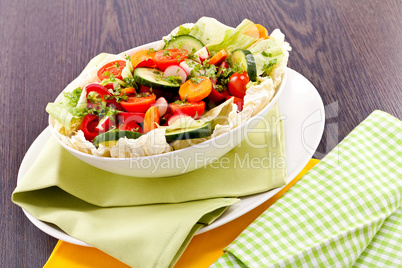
(349, 49)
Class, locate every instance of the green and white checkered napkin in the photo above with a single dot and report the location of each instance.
(346, 211)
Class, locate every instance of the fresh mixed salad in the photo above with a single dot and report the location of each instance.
(200, 81)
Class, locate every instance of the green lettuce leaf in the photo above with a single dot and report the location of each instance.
(63, 115)
(217, 36)
(183, 30)
(267, 54)
(70, 111)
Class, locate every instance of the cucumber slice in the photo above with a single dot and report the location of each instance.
(246, 59)
(152, 77)
(114, 135)
(189, 133)
(186, 42)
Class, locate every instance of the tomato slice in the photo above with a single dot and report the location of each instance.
(143, 58)
(134, 117)
(140, 103)
(193, 109)
(130, 126)
(115, 68)
(237, 84)
(167, 57)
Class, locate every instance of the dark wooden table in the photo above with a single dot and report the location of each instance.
(349, 49)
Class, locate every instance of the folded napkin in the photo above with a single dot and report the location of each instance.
(333, 213)
(202, 251)
(145, 222)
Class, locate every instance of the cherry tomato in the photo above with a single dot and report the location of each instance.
(167, 57)
(193, 109)
(140, 103)
(237, 84)
(115, 68)
(217, 96)
(239, 102)
(143, 58)
(88, 126)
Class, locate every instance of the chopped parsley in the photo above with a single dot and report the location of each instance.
(196, 70)
(267, 68)
(210, 69)
(225, 73)
(265, 54)
(220, 88)
(129, 82)
(192, 56)
(175, 80)
(127, 57)
(73, 97)
(182, 102)
(166, 53)
(103, 110)
(196, 80)
(94, 97)
(110, 75)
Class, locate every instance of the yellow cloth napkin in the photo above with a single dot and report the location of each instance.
(203, 250)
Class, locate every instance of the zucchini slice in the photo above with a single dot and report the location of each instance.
(152, 77)
(189, 133)
(185, 41)
(110, 138)
(246, 59)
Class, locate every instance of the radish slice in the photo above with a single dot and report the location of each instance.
(202, 54)
(162, 105)
(188, 65)
(176, 70)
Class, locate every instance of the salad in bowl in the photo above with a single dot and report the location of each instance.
(199, 82)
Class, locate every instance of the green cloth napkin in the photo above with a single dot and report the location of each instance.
(145, 222)
(346, 211)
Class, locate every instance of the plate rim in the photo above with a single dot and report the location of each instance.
(268, 194)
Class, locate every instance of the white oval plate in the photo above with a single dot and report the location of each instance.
(304, 120)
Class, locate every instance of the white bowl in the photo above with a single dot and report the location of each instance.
(176, 162)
